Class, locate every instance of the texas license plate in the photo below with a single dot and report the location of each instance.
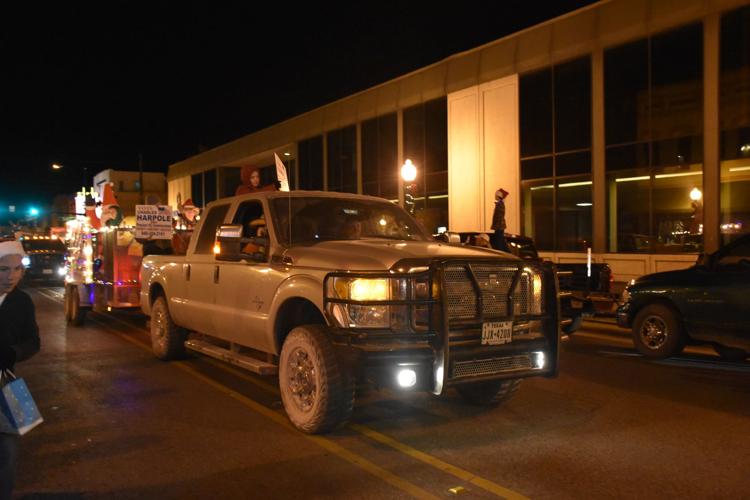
(497, 332)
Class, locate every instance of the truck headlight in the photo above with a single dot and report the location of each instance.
(370, 291)
(529, 294)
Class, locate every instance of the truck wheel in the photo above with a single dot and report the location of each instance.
(489, 393)
(316, 389)
(730, 353)
(67, 303)
(167, 339)
(77, 314)
(657, 332)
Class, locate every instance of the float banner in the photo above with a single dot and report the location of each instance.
(153, 222)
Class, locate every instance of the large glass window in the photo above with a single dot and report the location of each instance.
(380, 157)
(555, 125)
(229, 179)
(342, 162)
(310, 154)
(196, 189)
(734, 120)
(209, 185)
(426, 145)
(654, 142)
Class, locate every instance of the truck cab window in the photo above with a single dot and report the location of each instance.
(213, 220)
(250, 215)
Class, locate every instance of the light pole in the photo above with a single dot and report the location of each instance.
(409, 175)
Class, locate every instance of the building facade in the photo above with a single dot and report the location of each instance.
(623, 127)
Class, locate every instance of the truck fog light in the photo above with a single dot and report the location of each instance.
(537, 358)
(61, 271)
(407, 378)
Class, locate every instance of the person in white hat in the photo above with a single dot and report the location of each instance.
(19, 340)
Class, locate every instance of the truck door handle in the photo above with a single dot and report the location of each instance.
(186, 271)
(216, 274)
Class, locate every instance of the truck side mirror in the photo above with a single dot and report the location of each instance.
(228, 242)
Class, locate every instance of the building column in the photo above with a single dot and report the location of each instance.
(711, 162)
(400, 154)
(358, 154)
(598, 173)
(325, 161)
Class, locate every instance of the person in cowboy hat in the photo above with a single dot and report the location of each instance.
(19, 340)
(498, 221)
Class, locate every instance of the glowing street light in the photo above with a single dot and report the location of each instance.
(408, 171)
(696, 194)
(56, 166)
(409, 175)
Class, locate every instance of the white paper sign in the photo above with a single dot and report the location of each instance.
(153, 222)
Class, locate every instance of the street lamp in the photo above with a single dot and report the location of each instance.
(409, 175)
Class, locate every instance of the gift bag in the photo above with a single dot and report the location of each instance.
(18, 411)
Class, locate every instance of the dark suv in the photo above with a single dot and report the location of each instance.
(707, 303)
(46, 258)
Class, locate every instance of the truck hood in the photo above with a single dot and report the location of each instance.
(678, 277)
(380, 255)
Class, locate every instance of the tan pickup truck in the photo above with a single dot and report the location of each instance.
(331, 291)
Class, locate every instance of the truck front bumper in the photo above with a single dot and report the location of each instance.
(423, 368)
(623, 316)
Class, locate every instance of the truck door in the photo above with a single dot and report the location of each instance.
(200, 273)
(245, 288)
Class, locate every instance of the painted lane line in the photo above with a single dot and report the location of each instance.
(434, 462)
(280, 419)
(439, 464)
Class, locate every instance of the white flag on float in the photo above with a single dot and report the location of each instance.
(281, 174)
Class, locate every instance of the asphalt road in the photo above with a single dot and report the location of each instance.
(121, 424)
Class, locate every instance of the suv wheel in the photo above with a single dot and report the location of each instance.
(167, 339)
(657, 332)
(489, 393)
(316, 389)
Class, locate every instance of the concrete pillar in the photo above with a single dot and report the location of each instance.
(598, 173)
(711, 162)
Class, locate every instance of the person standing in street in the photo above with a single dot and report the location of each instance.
(19, 340)
(498, 221)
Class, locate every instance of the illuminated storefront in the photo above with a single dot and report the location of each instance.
(623, 127)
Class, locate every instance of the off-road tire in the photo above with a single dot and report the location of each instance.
(730, 353)
(489, 393)
(167, 339)
(657, 332)
(67, 303)
(317, 389)
(76, 315)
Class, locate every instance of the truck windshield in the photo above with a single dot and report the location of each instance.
(325, 219)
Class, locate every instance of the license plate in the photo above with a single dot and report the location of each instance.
(497, 332)
(46, 271)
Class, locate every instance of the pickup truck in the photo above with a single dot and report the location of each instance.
(332, 291)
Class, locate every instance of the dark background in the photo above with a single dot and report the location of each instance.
(97, 85)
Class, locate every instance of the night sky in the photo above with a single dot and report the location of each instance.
(95, 85)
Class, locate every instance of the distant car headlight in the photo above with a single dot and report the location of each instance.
(26, 261)
(61, 271)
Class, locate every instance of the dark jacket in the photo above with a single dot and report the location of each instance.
(498, 216)
(18, 327)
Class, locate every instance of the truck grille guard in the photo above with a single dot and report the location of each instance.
(472, 291)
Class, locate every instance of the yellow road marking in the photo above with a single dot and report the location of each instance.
(485, 484)
(327, 444)
(438, 464)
